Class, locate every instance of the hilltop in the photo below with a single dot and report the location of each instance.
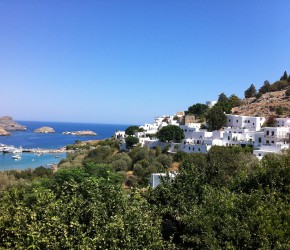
(269, 104)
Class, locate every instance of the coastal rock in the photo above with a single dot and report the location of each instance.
(7, 123)
(81, 132)
(44, 130)
(3, 132)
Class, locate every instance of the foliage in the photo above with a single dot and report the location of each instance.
(279, 110)
(131, 141)
(89, 214)
(99, 155)
(284, 77)
(279, 85)
(219, 202)
(270, 122)
(234, 101)
(198, 109)
(114, 144)
(132, 129)
(216, 118)
(170, 133)
(287, 92)
(223, 98)
(250, 92)
(265, 88)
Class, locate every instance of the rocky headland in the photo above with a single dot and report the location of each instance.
(44, 130)
(3, 132)
(7, 124)
(81, 132)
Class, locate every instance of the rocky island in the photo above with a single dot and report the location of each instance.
(81, 132)
(44, 130)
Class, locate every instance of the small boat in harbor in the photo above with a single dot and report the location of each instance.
(16, 157)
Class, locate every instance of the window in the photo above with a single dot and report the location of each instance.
(267, 133)
(228, 137)
(229, 120)
(260, 139)
(199, 149)
(273, 132)
(273, 142)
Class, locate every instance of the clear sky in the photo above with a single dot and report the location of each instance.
(127, 61)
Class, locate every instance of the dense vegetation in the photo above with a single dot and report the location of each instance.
(225, 199)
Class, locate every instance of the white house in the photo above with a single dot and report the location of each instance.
(238, 136)
(249, 122)
(119, 135)
(282, 122)
(271, 136)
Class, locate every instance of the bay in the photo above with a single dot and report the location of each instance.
(29, 139)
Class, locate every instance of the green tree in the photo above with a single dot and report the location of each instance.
(216, 118)
(132, 129)
(131, 141)
(250, 92)
(223, 98)
(224, 103)
(270, 122)
(170, 133)
(279, 110)
(198, 109)
(287, 92)
(234, 101)
(265, 88)
(284, 77)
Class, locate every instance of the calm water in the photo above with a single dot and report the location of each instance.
(29, 139)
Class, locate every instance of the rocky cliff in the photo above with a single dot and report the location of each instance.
(7, 123)
(269, 104)
(3, 132)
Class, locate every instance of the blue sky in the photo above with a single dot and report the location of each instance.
(127, 61)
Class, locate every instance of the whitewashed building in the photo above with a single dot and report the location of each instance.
(282, 122)
(249, 122)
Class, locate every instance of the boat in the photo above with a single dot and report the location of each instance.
(9, 149)
(16, 157)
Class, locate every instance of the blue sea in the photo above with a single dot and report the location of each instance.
(29, 139)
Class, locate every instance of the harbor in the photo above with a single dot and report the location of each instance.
(22, 158)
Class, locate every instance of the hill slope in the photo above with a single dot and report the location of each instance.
(265, 106)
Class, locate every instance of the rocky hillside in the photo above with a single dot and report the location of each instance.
(269, 104)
